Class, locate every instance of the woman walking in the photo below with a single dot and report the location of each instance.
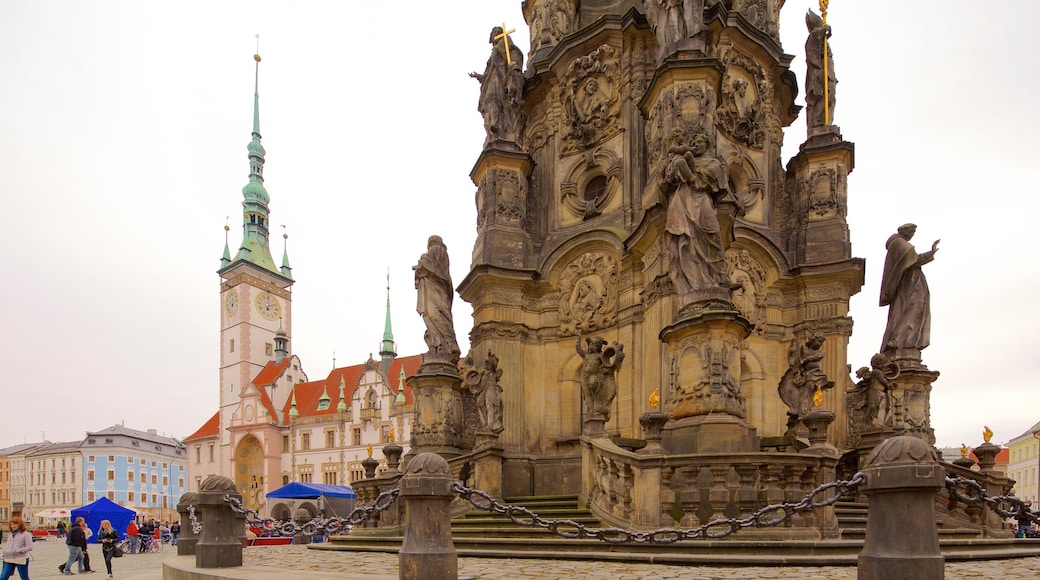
(108, 538)
(16, 550)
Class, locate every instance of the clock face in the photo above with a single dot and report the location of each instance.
(268, 307)
(231, 303)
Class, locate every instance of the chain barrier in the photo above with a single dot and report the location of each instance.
(196, 525)
(1005, 506)
(770, 515)
(318, 525)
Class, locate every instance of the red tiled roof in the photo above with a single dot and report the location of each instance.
(265, 378)
(308, 394)
(209, 429)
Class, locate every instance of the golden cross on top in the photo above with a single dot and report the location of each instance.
(505, 41)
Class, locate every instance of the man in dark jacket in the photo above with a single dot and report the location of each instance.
(77, 543)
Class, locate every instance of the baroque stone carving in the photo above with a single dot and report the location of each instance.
(551, 20)
(592, 98)
(905, 291)
(435, 295)
(498, 331)
(600, 363)
(870, 401)
(600, 162)
(502, 197)
(741, 110)
(588, 294)
(803, 378)
(677, 25)
(501, 90)
(717, 389)
(816, 108)
(484, 384)
(748, 285)
(690, 105)
(824, 187)
(759, 14)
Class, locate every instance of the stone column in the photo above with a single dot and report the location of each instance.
(902, 543)
(223, 531)
(912, 401)
(427, 552)
(501, 174)
(188, 538)
(370, 464)
(392, 452)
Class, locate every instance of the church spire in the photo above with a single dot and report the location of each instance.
(255, 247)
(387, 350)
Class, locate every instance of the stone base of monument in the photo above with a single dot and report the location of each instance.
(715, 433)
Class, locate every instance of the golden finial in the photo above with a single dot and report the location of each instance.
(505, 41)
(390, 435)
(256, 55)
(826, 82)
(370, 451)
(987, 434)
(964, 450)
(655, 398)
(817, 397)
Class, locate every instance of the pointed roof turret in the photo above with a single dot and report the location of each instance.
(293, 412)
(388, 348)
(400, 400)
(342, 406)
(255, 248)
(286, 268)
(226, 258)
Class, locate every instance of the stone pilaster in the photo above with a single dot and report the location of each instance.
(439, 417)
(501, 176)
(818, 181)
(912, 403)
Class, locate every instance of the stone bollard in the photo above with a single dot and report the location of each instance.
(903, 476)
(188, 538)
(427, 552)
(221, 540)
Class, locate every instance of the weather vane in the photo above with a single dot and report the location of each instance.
(256, 55)
(505, 41)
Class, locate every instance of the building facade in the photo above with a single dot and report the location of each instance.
(54, 479)
(14, 458)
(1024, 464)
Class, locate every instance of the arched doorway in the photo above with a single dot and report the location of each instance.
(249, 472)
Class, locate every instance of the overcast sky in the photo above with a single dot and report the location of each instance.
(123, 132)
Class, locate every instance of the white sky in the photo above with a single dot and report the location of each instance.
(123, 132)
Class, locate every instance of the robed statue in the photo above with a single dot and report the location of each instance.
(501, 90)
(435, 294)
(905, 291)
(599, 367)
(818, 57)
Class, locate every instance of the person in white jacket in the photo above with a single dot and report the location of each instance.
(16, 550)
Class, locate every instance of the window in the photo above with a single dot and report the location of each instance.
(72, 477)
(144, 477)
(130, 496)
(142, 459)
(384, 433)
(130, 475)
(211, 453)
(90, 474)
(329, 478)
(155, 479)
(164, 465)
(305, 441)
(198, 454)
(90, 496)
(268, 349)
(285, 444)
(112, 495)
(90, 458)
(165, 481)
(231, 345)
(330, 439)
(153, 464)
(357, 436)
(111, 475)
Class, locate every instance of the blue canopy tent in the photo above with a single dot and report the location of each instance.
(339, 499)
(104, 509)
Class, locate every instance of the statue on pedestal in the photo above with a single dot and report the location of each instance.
(693, 237)
(674, 21)
(484, 384)
(905, 291)
(599, 367)
(816, 60)
(435, 294)
(803, 377)
(501, 89)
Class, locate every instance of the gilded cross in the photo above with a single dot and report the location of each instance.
(505, 40)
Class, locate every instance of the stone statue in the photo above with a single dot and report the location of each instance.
(803, 377)
(674, 21)
(501, 90)
(814, 79)
(435, 294)
(873, 391)
(484, 384)
(693, 237)
(599, 367)
(905, 291)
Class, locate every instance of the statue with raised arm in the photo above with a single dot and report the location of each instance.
(816, 116)
(501, 89)
(905, 291)
(599, 367)
(695, 180)
(435, 294)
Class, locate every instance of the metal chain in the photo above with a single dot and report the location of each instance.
(316, 525)
(1005, 506)
(770, 515)
(196, 525)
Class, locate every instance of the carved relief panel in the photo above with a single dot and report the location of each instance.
(746, 97)
(705, 376)
(592, 99)
(762, 14)
(591, 186)
(588, 294)
(825, 187)
(501, 198)
(550, 20)
(749, 281)
(690, 103)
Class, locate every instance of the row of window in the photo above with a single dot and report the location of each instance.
(130, 459)
(131, 499)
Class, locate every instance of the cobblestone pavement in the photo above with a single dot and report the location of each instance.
(48, 554)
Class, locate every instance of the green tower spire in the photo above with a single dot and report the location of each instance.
(400, 400)
(388, 349)
(255, 247)
(293, 412)
(342, 406)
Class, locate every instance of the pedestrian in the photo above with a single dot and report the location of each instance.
(108, 538)
(16, 550)
(131, 532)
(77, 542)
(86, 556)
(61, 528)
(175, 531)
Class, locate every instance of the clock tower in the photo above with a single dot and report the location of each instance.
(255, 296)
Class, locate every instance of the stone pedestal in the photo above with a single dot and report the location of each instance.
(188, 538)
(715, 433)
(370, 464)
(223, 531)
(987, 454)
(902, 541)
(817, 422)
(911, 401)
(392, 452)
(501, 176)
(820, 174)
(487, 470)
(427, 552)
(439, 416)
(653, 423)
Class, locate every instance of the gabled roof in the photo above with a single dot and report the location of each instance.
(21, 448)
(136, 434)
(265, 378)
(210, 428)
(308, 394)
